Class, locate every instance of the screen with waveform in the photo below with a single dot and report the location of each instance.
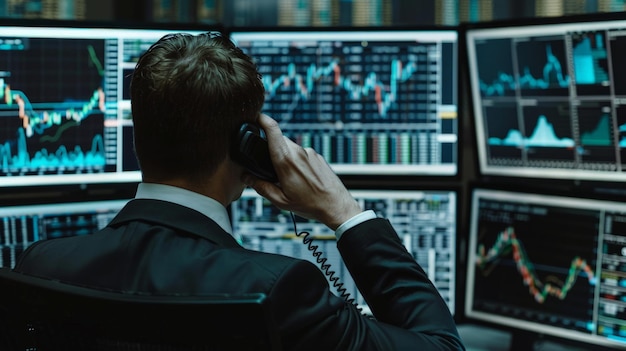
(372, 102)
(65, 105)
(548, 264)
(25, 224)
(548, 98)
(425, 221)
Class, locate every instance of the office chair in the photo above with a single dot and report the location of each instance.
(39, 314)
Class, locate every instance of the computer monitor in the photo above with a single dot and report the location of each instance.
(65, 100)
(425, 221)
(22, 225)
(372, 101)
(548, 97)
(548, 265)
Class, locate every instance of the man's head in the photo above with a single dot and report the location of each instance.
(189, 95)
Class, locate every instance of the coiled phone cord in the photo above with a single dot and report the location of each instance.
(324, 266)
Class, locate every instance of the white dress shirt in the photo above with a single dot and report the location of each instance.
(215, 210)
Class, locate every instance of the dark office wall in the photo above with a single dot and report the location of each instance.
(250, 12)
(407, 12)
(99, 10)
(512, 9)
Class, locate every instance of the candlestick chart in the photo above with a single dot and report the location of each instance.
(535, 259)
(368, 106)
(507, 243)
(382, 95)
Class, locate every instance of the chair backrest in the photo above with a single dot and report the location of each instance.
(40, 314)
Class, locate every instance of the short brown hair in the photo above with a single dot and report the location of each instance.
(189, 94)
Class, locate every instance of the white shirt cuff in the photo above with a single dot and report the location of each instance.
(358, 219)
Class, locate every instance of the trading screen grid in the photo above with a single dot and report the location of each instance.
(549, 101)
(521, 274)
(370, 102)
(21, 226)
(424, 220)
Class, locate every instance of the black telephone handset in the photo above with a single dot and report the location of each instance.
(251, 151)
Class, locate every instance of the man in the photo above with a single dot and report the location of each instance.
(190, 94)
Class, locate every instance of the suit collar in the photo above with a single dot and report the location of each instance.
(201, 203)
(177, 217)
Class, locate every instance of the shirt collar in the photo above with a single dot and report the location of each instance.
(203, 204)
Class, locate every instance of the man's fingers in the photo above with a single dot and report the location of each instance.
(266, 189)
(271, 128)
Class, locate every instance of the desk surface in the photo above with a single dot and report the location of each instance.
(480, 338)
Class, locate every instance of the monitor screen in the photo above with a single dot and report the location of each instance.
(372, 102)
(548, 264)
(424, 220)
(66, 103)
(548, 99)
(22, 225)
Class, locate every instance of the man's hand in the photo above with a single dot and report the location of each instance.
(307, 185)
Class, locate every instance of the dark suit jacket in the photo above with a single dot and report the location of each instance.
(160, 247)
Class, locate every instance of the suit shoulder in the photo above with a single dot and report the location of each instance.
(275, 261)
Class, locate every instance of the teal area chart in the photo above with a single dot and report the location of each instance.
(542, 68)
(551, 104)
(590, 62)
